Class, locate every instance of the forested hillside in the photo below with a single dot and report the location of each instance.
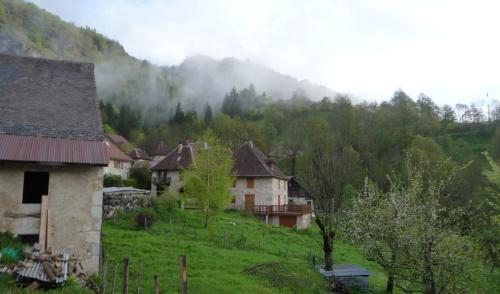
(124, 80)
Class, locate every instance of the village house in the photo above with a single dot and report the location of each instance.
(166, 173)
(297, 194)
(160, 151)
(261, 188)
(52, 155)
(140, 157)
(119, 162)
(120, 142)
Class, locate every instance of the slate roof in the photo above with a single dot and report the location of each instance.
(49, 112)
(161, 149)
(251, 162)
(138, 153)
(180, 157)
(116, 153)
(48, 98)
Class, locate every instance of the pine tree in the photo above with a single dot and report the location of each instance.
(208, 116)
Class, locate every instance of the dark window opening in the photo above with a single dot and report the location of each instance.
(29, 239)
(36, 184)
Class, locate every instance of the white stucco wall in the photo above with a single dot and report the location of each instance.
(75, 203)
(266, 191)
(122, 172)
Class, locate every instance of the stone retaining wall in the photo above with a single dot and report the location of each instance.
(125, 201)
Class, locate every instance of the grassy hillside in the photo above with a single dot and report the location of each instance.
(236, 254)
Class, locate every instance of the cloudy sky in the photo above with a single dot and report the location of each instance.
(449, 50)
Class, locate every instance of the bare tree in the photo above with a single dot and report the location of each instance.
(331, 167)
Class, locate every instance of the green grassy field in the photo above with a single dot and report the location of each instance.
(218, 258)
(236, 254)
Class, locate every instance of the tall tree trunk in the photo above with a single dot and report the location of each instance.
(391, 278)
(294, 163)
(389, 289)
(328, 248)
(327, 243)
(429, 283)
(206, 217)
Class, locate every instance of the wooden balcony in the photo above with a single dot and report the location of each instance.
(287, 209)
(162, 181)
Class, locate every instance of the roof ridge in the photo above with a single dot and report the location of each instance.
(45, 59)
(259, 159)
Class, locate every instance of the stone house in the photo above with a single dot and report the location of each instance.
(119, 162)
(52, 155)
(165, 174)
(261, 188)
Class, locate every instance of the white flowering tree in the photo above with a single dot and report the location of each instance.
(406, 232)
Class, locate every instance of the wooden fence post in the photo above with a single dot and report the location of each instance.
(114, 279)
(183, 274)
(138, 289)
(157, 285)
(125, 275)
(102, 289)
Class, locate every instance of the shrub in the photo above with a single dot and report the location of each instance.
(112, 181)
(145, 218)
(130, 183)
(7, 240)
(142, 176)
(168, 200)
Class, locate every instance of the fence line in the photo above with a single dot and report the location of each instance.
(140, 277)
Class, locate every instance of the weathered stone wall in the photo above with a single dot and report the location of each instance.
(75, 204)
(125, 201)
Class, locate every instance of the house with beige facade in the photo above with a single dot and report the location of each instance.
(261, 188)
(119, 162)
(52, 155)
(165, 174)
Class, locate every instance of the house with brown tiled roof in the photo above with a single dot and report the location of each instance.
(160, 151)
(166, 172)
(141, 158)
(52, 155)
(119, 162)
(261, 188)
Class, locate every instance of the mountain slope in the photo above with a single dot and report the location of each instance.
(28, 30)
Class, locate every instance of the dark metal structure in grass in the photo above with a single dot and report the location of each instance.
(349, 275)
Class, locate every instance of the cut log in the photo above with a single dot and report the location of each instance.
(48, 269)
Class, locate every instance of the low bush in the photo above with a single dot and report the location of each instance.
(145, 218)
(112, 181)
(168, 200)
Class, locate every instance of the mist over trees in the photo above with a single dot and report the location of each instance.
(349, 154)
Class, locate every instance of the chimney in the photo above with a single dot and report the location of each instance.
(179, 150)
(270, 162)
(251, 143)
